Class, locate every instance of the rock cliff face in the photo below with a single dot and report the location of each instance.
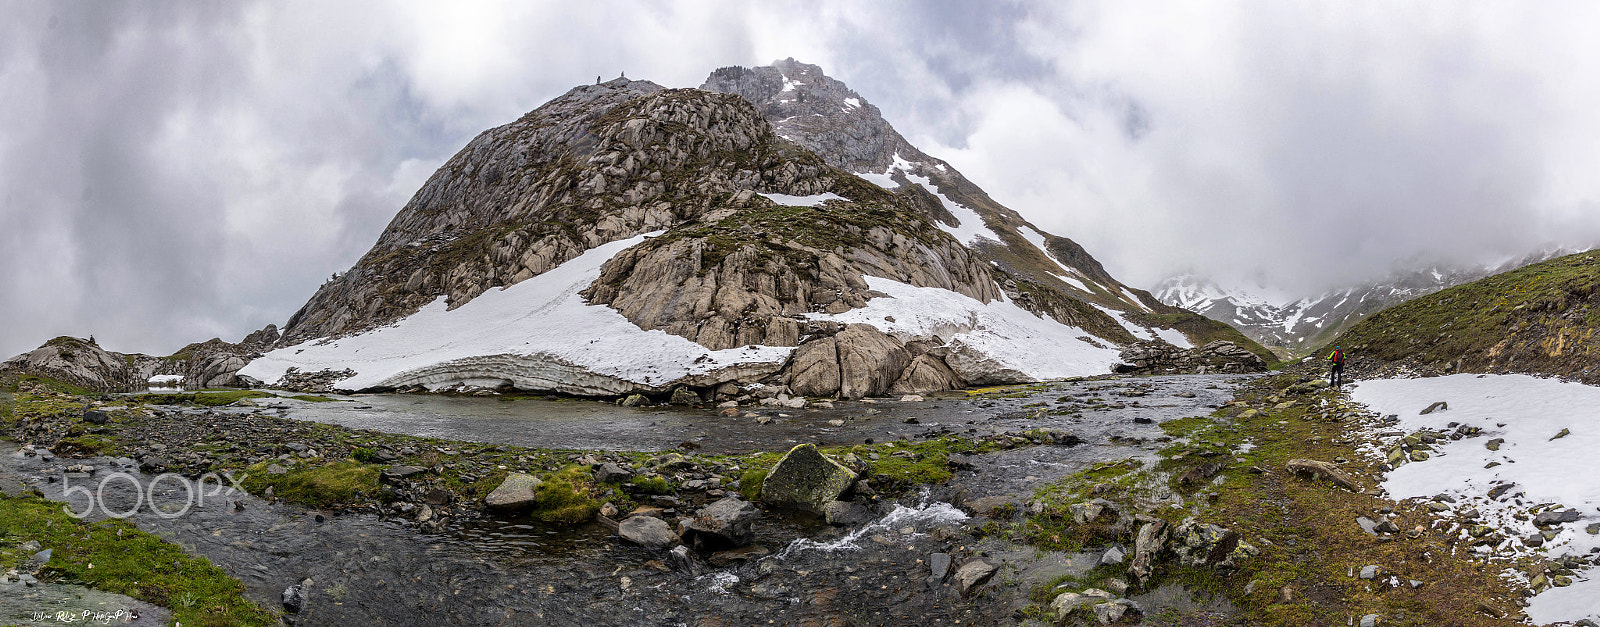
(628, 238)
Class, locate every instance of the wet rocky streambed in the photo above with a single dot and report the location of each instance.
(508, 570)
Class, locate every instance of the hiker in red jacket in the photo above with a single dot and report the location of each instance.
(1336, 375)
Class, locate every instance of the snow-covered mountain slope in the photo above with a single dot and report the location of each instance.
(525, 262)
(1294, 324)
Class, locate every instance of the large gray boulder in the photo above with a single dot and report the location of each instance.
(518, 491)
(723, 524)
(805, 479)
(647, 531)
(869, 361)
(814, 369)
(926, 373)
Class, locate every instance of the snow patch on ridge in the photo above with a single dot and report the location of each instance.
(537, 334)
(1037, 239)
(802, 201)
(999, 334)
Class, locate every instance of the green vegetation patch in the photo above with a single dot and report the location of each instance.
(126, 561)
(567, 496)
(340, 482)
(212, 398)
(313, 399)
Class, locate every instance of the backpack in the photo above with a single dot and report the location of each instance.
(1338, 357)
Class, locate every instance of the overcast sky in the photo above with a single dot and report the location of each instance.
(175, 172)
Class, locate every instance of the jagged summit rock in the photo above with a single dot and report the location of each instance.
(625, 238)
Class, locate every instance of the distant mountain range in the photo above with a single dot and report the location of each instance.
(1292, 325)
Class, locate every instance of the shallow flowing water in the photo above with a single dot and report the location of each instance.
(514, 571)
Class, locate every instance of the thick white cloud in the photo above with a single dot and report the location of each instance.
(177, 172)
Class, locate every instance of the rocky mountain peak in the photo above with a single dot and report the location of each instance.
(819, 112)
(598, 164)
(769, 229)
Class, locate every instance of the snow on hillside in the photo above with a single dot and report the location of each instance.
(998, 334)
(539, 329)
(1071, 276)
(971, 226)
(539, 334)
(1550, 429)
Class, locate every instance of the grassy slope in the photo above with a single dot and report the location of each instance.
(1539, 319)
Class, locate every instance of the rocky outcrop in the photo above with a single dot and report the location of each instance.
(1164, 358)
(82, 362)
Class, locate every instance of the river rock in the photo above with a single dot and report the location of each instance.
(634, 400)
(680, 560)
(1114, 555)
(394, 474)
(612, 473)
(725, 523)
(1065, 603)
(805, 479)
(938, 568)
(1148, 544)
(1113, 611)
(846, 513)
(1545, 519)
(684, 396)
(647, 531)
(95, 417)
(518, 491)
(1208, 545)
(293, 599)
(1325, 470)
(974, 573)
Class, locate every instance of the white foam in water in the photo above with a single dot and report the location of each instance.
(720, 581)
(933, 514)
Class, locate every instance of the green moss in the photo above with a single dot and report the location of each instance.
(54, 384)
(347, 481)
(86, 445)
(127, 561)
(313, 399)
(566, 496)
(750, 482)
(652, 484)
(205, 398)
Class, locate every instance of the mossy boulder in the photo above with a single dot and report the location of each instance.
(805, 479)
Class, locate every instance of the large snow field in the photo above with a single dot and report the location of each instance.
(1008, 335)
(538, 326)
(1548, 471)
